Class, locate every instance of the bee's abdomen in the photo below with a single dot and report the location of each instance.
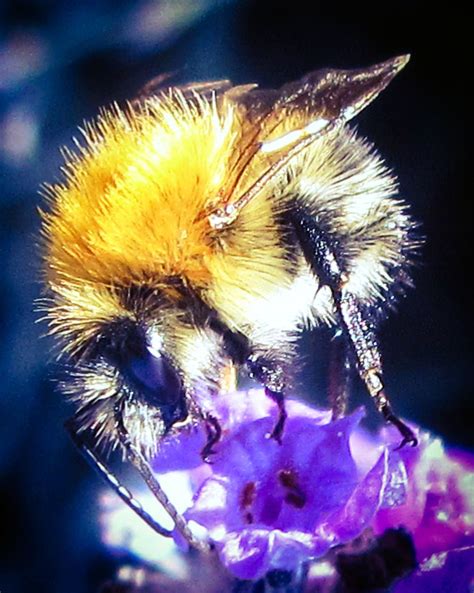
(350, 196)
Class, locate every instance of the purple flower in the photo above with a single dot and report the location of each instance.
(269, 506)
(451, 572)
(233, 410)
(439, 506)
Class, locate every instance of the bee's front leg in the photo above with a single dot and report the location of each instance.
(271, 376)
(214, 433)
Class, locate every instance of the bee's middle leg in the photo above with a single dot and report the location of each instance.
(339, 380)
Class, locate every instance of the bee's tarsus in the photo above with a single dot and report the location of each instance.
(271, 376)
(279, 399)
(408, 436)
(214, 433)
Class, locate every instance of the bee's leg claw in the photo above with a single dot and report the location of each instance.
(413, 442)
(410, 439)
(271, 376)
(278, 398)
(408, 436)
(214, 432)
(276, 433)
(206, 455)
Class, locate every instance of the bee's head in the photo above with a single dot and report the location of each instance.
(142, 358)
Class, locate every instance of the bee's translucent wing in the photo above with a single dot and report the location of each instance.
(278, 124)
(334, 93)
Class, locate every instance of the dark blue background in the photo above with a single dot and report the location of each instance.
(60, 61)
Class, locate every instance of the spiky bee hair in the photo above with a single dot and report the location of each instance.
(176, 217)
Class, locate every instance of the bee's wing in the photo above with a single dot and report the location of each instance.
(324, 94)
(278, 124)
(333, 93)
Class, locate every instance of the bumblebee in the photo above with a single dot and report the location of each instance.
(197, 231)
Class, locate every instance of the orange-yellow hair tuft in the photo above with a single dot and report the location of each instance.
(132, 207)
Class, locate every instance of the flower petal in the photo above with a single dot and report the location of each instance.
(358, 512)
(451, 572)
(439, 506)
(245, 553)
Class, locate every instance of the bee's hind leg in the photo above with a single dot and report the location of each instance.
(355, 320)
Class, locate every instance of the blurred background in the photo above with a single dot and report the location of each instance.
(59, 62)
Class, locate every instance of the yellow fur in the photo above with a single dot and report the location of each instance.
(134, 210)
(79, 311)
(134, 207)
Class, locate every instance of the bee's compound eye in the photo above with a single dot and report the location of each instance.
(154, 376)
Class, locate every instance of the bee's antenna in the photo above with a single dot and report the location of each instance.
(110, 478)
(137, 459)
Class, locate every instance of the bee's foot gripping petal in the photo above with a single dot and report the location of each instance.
(408, 436)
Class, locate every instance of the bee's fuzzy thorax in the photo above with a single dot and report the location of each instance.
(132, 204)
(133, 210)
